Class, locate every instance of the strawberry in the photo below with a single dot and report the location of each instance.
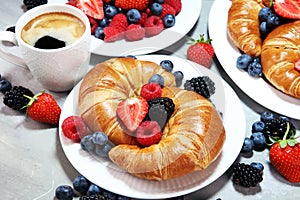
(92, 8)
(285, 157)
(148, 133)
(151, 91)
(42, 107)
(201, 51)
(134, 32)
(287, 8)
(176, 4)
(297, 65)
(132, 111)
(129, 4)
(74, 128)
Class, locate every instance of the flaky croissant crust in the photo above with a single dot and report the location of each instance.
(280, 51)
(243, 26)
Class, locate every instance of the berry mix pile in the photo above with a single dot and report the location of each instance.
(132, 20)
(269, 18)
(150, 111)
(277, 134)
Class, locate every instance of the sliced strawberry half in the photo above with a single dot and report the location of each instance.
(132, 111)
(287, 8)
(92, 8)
(297, 65)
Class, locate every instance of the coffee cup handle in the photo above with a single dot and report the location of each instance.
(8, 36)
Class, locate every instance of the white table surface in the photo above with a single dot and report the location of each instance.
(33, 163)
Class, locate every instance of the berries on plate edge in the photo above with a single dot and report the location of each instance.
(284, 150)
(202, 85)
(74, 128)
(201, 51)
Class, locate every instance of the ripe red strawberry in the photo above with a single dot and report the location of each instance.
(153, 26)
(42, 107)
(148, 133)
(285, 157)
(92, 8)
(74, 128)
(287, 8)
(151, 91)
(167, 9)
(134, 32)
(132, 111)
(176, 4)
(129, 4)
(201, 51)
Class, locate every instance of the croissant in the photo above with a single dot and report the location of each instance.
(280, 51)
(107, 83)
(243, 26)
(192, 138)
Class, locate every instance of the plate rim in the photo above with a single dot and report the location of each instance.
(237, 114)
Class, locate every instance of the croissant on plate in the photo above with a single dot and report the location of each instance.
(243, 26)
(280, 52)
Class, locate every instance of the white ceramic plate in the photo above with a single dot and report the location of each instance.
(105, 174)
(185, 21)
(257, 89)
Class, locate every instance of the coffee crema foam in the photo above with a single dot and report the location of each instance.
(60, 25)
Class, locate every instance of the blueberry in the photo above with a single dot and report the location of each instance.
(94, 189)
(102, 151)
(247, 145)
(5, 85)
(64, 192)
(258, 126)
(99, 32)
(264, 29)
(100, 138)
(257, 165)
(178, 77)
(110, 11)
(273, 21)
(81, 184)
(169, 20)
(122, 198)
(281, 117)
(255, 69)
(243, 61)
(109, 195)
(133, 15)
(131, 56)
(266, 116)
(167, 65)
(159, 1)
(259, 140)
(103, 22)
(157, 79)
(264, 13)
(87, 143)
(156, 8)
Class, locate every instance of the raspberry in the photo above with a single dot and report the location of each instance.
(143, 18)
(134, 32)
(148, 133)
(167, 9)
(74, 128)
(15, 99)
(119, 21)
(153, 25)
(151, 91)
(112, 34)
(203, 85)
(176, 4)
(246, 175)
(93, 24)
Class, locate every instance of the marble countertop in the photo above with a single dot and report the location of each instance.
(33, 163)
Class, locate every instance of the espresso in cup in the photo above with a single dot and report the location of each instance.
(53, 30)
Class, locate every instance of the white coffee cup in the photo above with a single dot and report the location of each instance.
(56, 69)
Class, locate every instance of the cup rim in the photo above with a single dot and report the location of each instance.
(42, 9)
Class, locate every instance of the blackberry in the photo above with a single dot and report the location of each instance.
(203, 85)
(34, 3)
(246, 175)
(160, 109)
(277, 127)
(15, 99)
(11, 29)
(92, 197)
